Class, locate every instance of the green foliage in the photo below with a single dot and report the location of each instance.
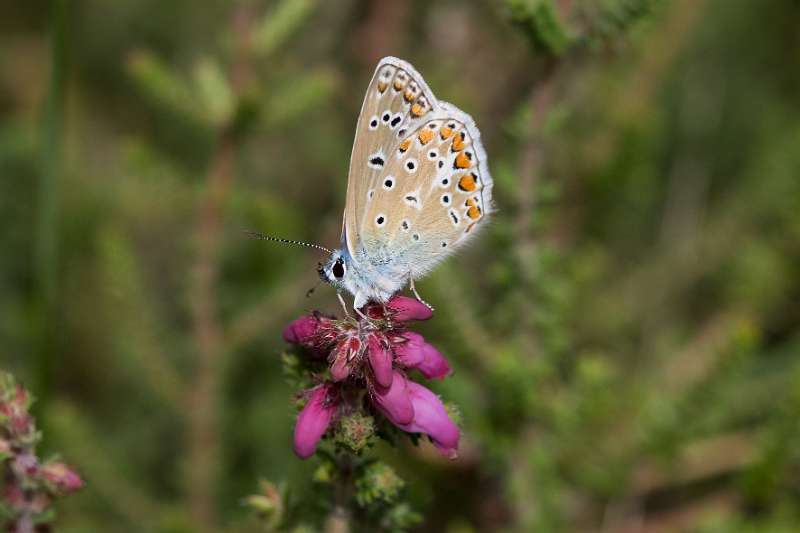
(623, 333)
(378, 483)
(539, 22)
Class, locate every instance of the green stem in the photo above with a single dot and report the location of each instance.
(46, 243)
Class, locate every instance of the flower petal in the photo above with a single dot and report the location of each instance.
(431, 418)
(313, 421)
(339, 368)
(380, 359)
(406, 308)
(434, 364)
(416, 353)
(301, 330)
(409, 350)
(394, 402)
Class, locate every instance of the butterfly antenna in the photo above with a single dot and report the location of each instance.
(262, 237)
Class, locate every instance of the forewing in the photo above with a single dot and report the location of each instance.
(396, 97)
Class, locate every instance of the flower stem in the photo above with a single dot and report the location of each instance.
(338, 520)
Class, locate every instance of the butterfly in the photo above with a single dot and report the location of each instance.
(418, 188)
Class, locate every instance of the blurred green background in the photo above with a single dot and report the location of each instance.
(624, 334)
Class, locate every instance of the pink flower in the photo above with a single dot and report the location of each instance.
(301, 330)
(61, 476)
(346, 351)
(380, 360)
(413, 352)
(395, 402)
(406, 308)
(313, 420)
(372, 354)
(431, 418)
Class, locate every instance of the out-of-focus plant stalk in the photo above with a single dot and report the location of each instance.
(204, 392)
(46, 245)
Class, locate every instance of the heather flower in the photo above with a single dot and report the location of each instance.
(313, 420)
(431, 418)
(61, 476)
(369, 360)
(395, 402)
(29, 484)
(405, 309)
(418, 354)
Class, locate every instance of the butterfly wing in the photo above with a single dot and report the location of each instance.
(419, 184)
(396, 95)
(434, 194)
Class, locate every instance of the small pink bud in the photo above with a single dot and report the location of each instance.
(13, 495)
(61, 476)
(380, 359)
(313, 421)
(301, 331)
(406, 308)
(416, 353)
(339, 368)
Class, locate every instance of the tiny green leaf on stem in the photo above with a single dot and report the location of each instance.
(162, 86)
(214, 91)
(278, 25)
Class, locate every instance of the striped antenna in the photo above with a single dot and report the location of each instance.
(262, 237)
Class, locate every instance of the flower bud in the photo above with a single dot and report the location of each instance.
(313, 421)
(380, 359)
(406, 308)
(301, 331)
(416, 353)
(62, 476)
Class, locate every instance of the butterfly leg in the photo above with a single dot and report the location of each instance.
(362, 315)
(416, 294)
(344, 305)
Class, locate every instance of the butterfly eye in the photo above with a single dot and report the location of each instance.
(338, 269)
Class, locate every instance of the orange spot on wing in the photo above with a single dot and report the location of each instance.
(398, 85)
(467, 183)
(425, 136)
(462, 161)
(474, 212)
(382, 85)
(405, 144)
(417, 110)
(458, 143)
(445, 132)
(408, 95)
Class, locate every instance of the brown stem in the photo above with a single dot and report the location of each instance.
(338, 520)
(203, 438)
(204, 392)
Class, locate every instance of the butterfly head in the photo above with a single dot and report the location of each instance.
(334, 269)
